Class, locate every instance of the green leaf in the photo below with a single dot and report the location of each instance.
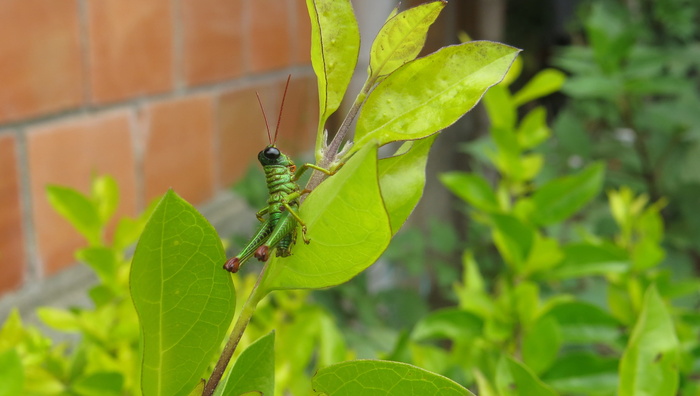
(199, 389)
(472, 188)
(514, 379)
(513, 239)
(79, 210)
(184, 299)
(583, 323)
(105, 193)
(254, 370)
(541, 344)
(332, 348)
(129, 230)
(401, 38)
(382, 378)
(430, 93)
(100, 383)
(102, 260)
(449, 323)
(649, 365)
(560, 198)
(544, 255)
(583, 373)
(348, 227)
(11, 374)
(58, 319)
(533, 129)
(586, 259)
(335, 44)
(402, 179)
(545, 82)
(499, 105)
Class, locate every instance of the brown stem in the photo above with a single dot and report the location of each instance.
(243, 319)
(330, 152)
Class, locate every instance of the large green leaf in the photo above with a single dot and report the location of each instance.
(514, 379)
(254, 370)
(184, 300)
(560, 198)
(382, 378)
(649, 365)
(335, 44)
(402, 37)
(348, 227)
(402, 179)
(430, 93)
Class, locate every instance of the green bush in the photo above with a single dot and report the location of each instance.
(565, 310)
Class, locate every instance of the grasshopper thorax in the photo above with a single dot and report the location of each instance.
(271, 155)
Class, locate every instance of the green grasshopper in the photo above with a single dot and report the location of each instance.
(279, 229)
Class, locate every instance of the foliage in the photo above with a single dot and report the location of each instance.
(634, 90)
(563, 341)
(105, 361)
(350, 217)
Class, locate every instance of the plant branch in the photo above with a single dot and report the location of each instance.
(640, 146)
(241, 323)
(330, 152)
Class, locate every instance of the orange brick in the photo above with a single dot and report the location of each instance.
(70, 153)
(179, 148)
(12, 258)
(241, 128)
(40, 62)
(303, 34)
(300, 119)
(270, 35)
(130, 46)
(213, 40)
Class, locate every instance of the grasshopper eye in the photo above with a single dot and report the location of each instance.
(271, 153)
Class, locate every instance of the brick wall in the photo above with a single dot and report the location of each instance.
(157, 93)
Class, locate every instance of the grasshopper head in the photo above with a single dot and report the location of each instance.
(272, 156)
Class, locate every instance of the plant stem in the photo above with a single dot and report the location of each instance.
(330, 153)
(243, 318)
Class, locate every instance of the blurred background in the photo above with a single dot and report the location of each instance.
(161, 94)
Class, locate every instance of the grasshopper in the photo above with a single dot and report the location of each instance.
(279, 230)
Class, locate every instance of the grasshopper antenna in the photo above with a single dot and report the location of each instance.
(269, 138)
(279, 117)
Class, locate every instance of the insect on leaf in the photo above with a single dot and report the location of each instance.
(348, 227)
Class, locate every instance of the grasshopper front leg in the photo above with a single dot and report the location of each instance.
(305, 167)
